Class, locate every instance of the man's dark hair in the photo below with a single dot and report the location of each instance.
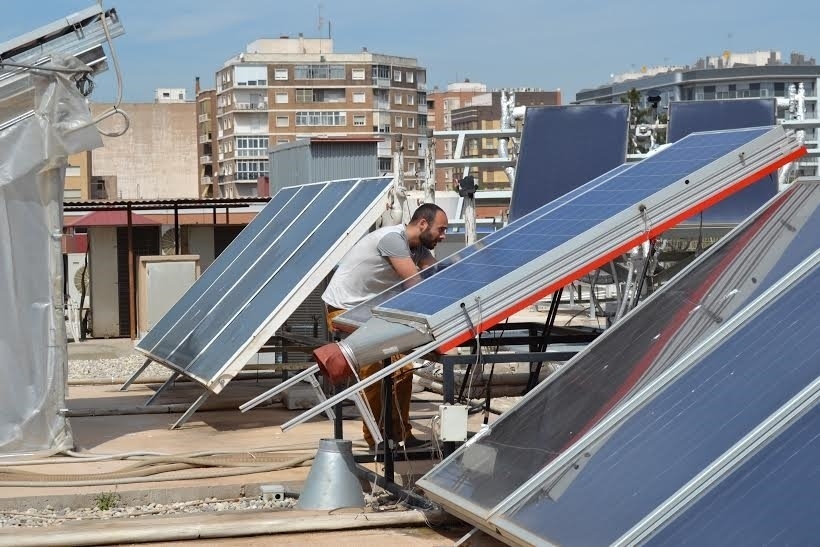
(426, 211)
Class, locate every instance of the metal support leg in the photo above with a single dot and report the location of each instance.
(190, 412)
(387, 409)
(171, 379)
(135, 375)
(449, 385)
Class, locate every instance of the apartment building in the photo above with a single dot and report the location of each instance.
(483, 111)
(283, 89)
(727, 76)
(440, 105)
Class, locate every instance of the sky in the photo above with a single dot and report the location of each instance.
(542, 44)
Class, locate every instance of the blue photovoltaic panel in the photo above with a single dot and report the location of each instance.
(361, 313)
(223, 311)
(768, 500)
(747, 262)
(566, 218)
(225, 261)
(649, 455)
(563, 147)
(687, 117)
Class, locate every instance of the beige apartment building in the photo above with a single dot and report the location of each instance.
(466, 106)
(283, 89)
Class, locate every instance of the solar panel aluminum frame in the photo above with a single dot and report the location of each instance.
(605, 241)
(470, 512)
(723, 466)
(295, 297)
(621, 413)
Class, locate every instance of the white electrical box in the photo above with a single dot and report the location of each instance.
(453, 423)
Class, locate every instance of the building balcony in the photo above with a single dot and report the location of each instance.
(205, 159)
(252, 106)
(203, 117)
(205, 181)
(205, 138)
(422, 109)
(421, 86)
(381, 82)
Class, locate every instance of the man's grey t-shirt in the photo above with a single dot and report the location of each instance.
(366, 270)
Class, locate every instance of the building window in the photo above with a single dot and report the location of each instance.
(357, 74)
(358, 96)
(398, 121)
(281, 98)
(321, 118)
(251, 75)
(282, 141)
(385, 165)
(411, 99)
(280, 74)
(251, 147)
(381, 71)
(359, 120)
(397, 75)
(410, 77)
(282, 121)
(422, 120)
(411, 121)
(251, 170)
(411, 145)
(309, 95)
(397, 98)
(319, 72)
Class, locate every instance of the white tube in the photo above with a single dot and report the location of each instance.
(197, 527)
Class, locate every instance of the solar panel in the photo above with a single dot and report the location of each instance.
(687, 117)
(573, 235)
(357, 316)
(260, 279)
(550, 161)
(653, 447)
(637, 349)
(768, 500)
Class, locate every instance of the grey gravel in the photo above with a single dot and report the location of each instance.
(34, 518)
(118, 368)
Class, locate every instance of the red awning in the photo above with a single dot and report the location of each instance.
(112, 218)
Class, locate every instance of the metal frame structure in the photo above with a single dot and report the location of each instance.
(80, 35)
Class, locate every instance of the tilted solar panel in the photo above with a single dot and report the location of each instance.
(571, 236)
(253, 287)
(708, 402)
(687, 117)
(768, 500)
(357, 316)
(551, 163)
(637, 349)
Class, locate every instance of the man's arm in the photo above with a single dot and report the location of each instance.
(404, 266)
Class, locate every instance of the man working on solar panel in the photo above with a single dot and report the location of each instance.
(377, 262)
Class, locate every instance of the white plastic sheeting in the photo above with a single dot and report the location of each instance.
(33, 355)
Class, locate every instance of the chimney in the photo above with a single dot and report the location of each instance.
(364, 49)
(196, 86)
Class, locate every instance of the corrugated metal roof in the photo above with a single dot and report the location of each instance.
(113, 218)
(168, 203)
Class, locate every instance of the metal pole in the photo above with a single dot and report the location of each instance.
(132, 308)
(387, 412)
(176, 229)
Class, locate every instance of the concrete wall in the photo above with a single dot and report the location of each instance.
(157, 157)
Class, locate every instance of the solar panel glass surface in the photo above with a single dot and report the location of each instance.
(687, 117)
(224, 310)
(560, 221)
(768, 500)
(637, 349)
(647, 457)
(551, 162)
